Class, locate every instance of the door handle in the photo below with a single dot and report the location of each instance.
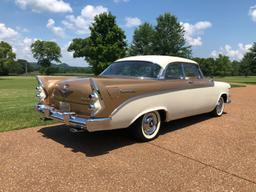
(190, 82)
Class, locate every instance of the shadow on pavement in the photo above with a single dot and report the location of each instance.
(100, 143)
(185, 122)
(91, 144)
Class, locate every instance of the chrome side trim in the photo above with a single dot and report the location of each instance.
(70, 118)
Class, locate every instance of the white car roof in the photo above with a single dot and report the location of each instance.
(158, 59)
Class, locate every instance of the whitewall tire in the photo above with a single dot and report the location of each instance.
(147, 127)
(219, 109)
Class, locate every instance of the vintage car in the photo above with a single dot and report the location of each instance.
(136, 92)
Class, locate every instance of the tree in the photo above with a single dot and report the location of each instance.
(16, 68)
(20, 66)
(105, 44)
(169, 37)
(143, 38)
(207, 66)
(223, 65)
(220, 66)
(236, 65)
(248, 63)
(45, 52)
(7, 57)
(245, 68)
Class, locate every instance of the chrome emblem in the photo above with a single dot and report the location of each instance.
(65, 91)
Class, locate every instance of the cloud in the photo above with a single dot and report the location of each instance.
(22, 29)
(20, 45)
(23, 48)
(132, 22)
(119, 1)
(6, 32)
(67, 57)
(82, 22)
(193, 32)
(58, 31)
(252, 13)
(55, 6)
(234, 54)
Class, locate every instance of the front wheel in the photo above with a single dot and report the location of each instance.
(147, 127)
(219, 109)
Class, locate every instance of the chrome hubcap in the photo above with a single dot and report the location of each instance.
(220, 106)
(150, 123)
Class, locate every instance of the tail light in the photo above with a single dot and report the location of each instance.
(40, 91)
(94, 96)
(96, 102)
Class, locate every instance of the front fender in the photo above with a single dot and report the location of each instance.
(224, 90)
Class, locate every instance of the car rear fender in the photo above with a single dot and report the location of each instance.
(49, 81)
(147, 111)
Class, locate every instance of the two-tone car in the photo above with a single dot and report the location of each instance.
(136, 92)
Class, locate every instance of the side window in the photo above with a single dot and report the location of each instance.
(174, 71)
(192, 71)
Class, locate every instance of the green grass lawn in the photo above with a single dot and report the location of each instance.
(238, 79)
(17, 100)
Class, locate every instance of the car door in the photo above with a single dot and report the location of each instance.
(176, 99)
(200, 97)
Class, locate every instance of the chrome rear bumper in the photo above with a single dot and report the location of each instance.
(71, 119)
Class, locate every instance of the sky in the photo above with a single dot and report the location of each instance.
(212, 27)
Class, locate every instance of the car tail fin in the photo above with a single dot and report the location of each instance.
(48, 81)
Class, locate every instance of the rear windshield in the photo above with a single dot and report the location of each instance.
(132, 69)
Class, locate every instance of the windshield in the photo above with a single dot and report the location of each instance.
(132, 69)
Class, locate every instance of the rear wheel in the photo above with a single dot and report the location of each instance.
(219, 109)
(147, 127)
